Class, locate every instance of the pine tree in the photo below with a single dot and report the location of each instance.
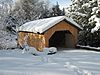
(86, 13)
(54, 11)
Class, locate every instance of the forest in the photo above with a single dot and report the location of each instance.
(15, 13)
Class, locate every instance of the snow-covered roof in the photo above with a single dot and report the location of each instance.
(41, 25)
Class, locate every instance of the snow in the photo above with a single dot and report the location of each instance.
(75, 1)
(42, 25)
(95, 18)
(93, 0)
(97, 25)
(34, 51)
(94, 10)
(65, 62)
(86, 5)
(89, 47)
(80, 14)
(8, 41)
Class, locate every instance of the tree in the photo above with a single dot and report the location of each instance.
(87, 14)
(5, 38)
(24, 11)
(52, 11)
(12, 15)
(56, 11)
(5, 8)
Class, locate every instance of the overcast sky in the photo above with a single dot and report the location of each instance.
(62, 3)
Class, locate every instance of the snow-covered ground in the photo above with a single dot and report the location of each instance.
(66, 62)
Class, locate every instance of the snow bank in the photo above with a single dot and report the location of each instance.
(52, 50)
(8, 41)
(89, 47)
(43, 55)
(32, 50)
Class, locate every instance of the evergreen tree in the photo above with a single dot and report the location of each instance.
(57, 11)
(54, 11)
(86, 13)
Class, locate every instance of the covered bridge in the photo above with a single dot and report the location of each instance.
(57, 32)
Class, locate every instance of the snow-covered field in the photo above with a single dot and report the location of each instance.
(66, 62)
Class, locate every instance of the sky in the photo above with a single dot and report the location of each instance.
(62, 3)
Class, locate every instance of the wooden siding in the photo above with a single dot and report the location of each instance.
(40, 41)
(34, 40)
(62, 26)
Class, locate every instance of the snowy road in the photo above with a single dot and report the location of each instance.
(72, 62)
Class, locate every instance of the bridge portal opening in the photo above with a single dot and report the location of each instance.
(61, 39)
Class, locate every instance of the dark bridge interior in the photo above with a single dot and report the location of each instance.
(61, 39)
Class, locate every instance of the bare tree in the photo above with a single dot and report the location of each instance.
(5, 8)
(24, 11)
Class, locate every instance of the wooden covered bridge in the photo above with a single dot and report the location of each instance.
(58, 31)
